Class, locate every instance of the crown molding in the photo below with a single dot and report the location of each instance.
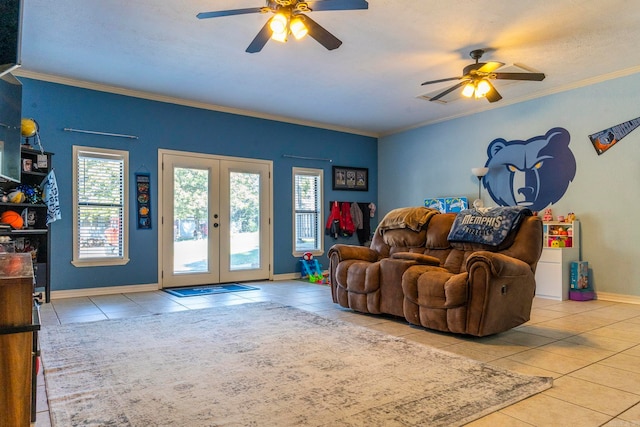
(22, 72)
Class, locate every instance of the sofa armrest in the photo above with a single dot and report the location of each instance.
(501, 291)
(345, 252)
(419, 258)
(499, 264)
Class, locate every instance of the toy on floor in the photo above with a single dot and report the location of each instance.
(312, 269)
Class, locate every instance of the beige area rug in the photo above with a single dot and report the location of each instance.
(262, 364)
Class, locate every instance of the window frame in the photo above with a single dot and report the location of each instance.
(319, 173)
(122, 155)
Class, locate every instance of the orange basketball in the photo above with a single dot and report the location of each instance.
(12, 218)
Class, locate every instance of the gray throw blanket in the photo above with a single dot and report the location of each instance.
(487, 226)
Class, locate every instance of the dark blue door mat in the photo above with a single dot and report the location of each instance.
(208, 290)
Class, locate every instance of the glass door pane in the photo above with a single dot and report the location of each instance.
(190, 220)
(245, 220)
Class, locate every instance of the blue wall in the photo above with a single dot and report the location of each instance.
(169, 126)
(437, 161)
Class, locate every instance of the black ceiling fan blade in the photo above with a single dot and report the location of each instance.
(261, 39)
(205, 15)
(493, 95)
(448, 91)
(520, 76)
(337, 5)
(322, 36)
(440, 80)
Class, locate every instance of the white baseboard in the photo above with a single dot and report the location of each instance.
(286, 276)
(608, 296)
(111, 290)
(107, 290)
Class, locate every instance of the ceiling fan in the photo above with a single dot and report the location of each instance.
(289, 18)
(476, 79)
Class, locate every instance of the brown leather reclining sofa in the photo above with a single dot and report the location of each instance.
(412, 270)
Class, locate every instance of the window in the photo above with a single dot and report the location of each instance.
(307, 205)
(100, 207)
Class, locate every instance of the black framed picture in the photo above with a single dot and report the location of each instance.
(347, 178)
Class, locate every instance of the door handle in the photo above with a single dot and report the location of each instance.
(215, 225)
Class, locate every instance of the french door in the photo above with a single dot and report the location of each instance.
(215, 225)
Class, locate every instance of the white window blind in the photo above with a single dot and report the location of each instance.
(308, 229)
(100, 205)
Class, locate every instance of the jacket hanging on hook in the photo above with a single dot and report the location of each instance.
(340, 223)
(346, 222)
(333, 222)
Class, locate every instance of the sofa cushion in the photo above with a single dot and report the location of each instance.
(404, 238)
(358, 276)
(441, 289)
(438, 231)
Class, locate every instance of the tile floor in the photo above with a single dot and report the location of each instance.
(590, 348)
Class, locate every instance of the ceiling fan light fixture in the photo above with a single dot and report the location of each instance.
(289, 17)
(482, 88)
(476, 80)
(298, 29)
(279, 37)
(468, 90)
(279, 27)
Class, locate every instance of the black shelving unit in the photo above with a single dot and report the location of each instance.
(34, 238)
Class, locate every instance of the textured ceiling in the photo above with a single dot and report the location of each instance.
(370, 85)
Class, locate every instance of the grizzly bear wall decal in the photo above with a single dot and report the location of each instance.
(533, 173)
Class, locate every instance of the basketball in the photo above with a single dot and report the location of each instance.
(28, 128)
(12, 218)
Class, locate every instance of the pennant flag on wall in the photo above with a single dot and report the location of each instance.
(50, 196)
(605, 139)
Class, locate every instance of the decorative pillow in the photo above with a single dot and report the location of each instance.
(493, 227)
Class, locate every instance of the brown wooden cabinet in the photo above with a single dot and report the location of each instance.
(18, 340)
